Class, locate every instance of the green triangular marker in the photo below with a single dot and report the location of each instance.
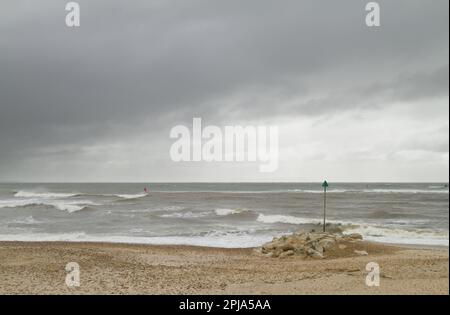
(325, 184)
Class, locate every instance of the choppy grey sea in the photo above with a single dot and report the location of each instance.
(221, 214)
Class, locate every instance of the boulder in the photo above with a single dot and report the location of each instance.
(317, 248)
(327, 242)
(316, 236)
(287, 247)
(286, 253)
(314, 253)
(308, 244)
(355, 236)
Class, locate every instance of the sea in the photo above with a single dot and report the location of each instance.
(221, 214)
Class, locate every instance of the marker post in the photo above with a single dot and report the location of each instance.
(324, 185)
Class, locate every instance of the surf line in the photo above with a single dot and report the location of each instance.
(234, 144)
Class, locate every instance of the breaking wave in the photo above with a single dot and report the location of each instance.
(224, 239)
(279, 218)
(377, 233)
(55, 195)
(130, 196)
(57, 204)
(225, 212)
(185, 215)
(45, 195)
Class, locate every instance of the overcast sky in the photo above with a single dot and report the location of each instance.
(96, 103)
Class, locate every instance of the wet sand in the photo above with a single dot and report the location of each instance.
(39, 268)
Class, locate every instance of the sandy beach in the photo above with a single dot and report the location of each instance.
(39, 268)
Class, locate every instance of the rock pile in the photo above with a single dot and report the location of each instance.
(308, 244)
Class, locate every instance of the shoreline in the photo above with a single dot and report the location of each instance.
(397, 245)
(119, 268)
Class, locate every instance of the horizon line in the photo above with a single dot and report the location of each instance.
(220, 182)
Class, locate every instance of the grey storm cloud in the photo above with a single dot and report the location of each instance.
(137, 64)
(407, 87)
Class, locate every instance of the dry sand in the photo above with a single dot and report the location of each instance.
(39, 268)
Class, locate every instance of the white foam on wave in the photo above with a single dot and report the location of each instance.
(131, 196)
(68, 207)
(45, 195)
(233, 240)
(44, 237)
(15, 203)
(371, 232)
(26, 220)
(377, 233)
(55, 195)
(238, 239)
(187, 215)
(63, 205)
(172, 208)
(279, 218)
(225, 212)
